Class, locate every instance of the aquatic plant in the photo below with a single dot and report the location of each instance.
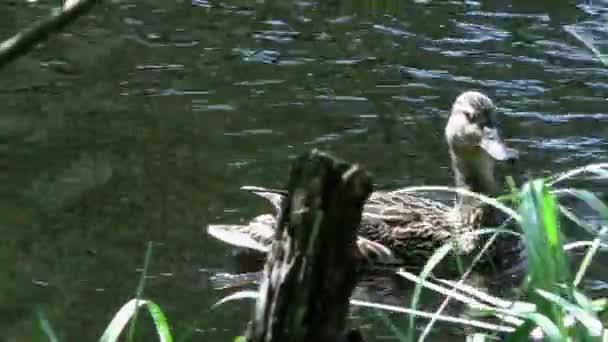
(555, 307)
(129, 312)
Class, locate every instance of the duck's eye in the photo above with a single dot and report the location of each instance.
(483, 121)
(469, 115)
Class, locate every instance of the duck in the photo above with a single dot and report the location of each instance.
(405, 228)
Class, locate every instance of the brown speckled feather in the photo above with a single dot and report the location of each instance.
(413, 226)
(396, 228)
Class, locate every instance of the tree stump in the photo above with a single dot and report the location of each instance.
(312, 267)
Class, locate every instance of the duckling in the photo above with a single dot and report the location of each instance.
(405, 228)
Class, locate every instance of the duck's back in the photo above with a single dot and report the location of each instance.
(412, 226)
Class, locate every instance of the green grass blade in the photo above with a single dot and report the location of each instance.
(444, 318)
(428, 267)
(546, 259)
(160, 322)
(596, 204)
(578, 221)
(600, 304)
(522, 333)
(595, 245)
(588, 43)
(598, 169)
(128, 311)
(583, 301)
(45, 326)
(120, 320)
(590, 199)
(140, 289)
(550, 330)
(538, 211)
(593, 325)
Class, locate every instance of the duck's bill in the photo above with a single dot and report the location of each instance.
(496, 148)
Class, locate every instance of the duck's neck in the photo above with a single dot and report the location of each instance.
(476, 175)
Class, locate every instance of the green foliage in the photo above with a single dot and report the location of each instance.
(426, 271)
(140, 290)
(549, 285)
(588, 41)
(547, 267)
(555, 309)
(128, 313)
(45, 325)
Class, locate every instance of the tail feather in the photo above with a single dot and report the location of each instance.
(241, 236)
(259, 233)
(274, 196)
(254, 189)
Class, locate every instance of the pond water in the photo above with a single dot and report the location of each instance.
(144, 120)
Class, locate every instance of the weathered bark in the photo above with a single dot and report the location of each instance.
(312, 268)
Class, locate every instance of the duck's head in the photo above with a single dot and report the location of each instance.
(471, 129)
(474, 140)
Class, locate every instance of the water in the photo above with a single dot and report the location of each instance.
(143, 121)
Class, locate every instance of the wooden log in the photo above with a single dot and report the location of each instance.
(312, 267)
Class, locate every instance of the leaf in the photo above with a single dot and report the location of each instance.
(542, 235)
(549, 329)
(437, 256)
(590, 199)
(593, 325)
(588, 42)
(596, 168)
(127, 311)
(140, 288)
(522, 333)
(424, 314)
(588, 257)
(45, 326)
(583, 301)
(546, 258)
(600, 304)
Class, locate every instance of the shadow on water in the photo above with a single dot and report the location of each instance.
(143, 121)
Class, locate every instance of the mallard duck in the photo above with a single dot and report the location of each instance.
(405, 228)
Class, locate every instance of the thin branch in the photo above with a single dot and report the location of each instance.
(24, 41)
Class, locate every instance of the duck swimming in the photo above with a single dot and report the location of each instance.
(405, 228)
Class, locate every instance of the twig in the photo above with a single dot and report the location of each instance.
(24, 41)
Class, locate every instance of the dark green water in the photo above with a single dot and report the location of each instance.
(142, 122)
